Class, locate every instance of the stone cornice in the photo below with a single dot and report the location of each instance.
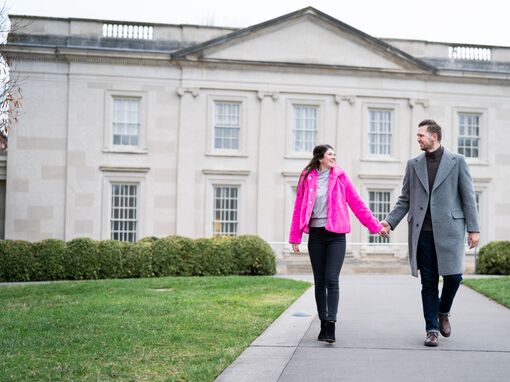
(226, 172)
(85, 55)
(380, 176)
(124, 169)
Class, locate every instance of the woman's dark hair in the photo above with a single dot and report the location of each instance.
(314, 164)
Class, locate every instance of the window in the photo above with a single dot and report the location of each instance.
(225, 212)
(379, 133)
(126, 121)
(379, 203)
(304, 130)
(123, 221)
(469, 135)
(226, 125)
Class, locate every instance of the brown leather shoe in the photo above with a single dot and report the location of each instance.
(431, 339)
(444, 325)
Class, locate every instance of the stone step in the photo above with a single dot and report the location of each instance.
(377, 264)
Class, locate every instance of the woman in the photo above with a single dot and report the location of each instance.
(323, 193)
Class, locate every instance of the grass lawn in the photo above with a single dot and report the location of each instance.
(498, 289)
(159, 329)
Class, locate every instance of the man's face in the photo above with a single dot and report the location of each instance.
(425, 139)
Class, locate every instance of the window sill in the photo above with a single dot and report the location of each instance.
(298, 156)
(126, 151)
(380, 159)
(477, 162)
(235, 154)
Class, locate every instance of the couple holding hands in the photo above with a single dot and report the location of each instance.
(438, 196)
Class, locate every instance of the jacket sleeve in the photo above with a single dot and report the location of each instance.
(296, 233)
(402, 206)
(467, 194)
(362, 212)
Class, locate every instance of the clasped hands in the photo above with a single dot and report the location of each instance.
(385, 230)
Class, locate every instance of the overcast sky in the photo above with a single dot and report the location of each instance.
(460, 21)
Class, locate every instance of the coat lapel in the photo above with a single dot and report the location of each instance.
(420, 167)
(445, 166)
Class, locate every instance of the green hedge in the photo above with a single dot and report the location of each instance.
(494, 258)
(84, 258)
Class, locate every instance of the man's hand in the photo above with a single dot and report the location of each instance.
(295, 248)
(473, 239)
(385, 231)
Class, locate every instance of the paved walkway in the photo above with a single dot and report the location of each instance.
(380, 337)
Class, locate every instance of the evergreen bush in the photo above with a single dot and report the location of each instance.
(494, 258)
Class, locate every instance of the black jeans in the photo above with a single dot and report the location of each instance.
(427, 264)
(327, 253)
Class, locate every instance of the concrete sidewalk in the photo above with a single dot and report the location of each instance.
(380, 337)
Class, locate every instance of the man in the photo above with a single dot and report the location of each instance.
(438, 195)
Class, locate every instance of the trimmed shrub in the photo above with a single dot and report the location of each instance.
(81, 261)
(148, 239)
(49, 260)
(175, 256)
(16, 260)
(215, 256)
(253, 256)
(110, 259)
(494, 258)
(137, 260)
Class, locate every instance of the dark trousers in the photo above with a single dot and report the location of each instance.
(327, 253)
(433, 305)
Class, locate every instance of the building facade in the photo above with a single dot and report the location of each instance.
(131, 130)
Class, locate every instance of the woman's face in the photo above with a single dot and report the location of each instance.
(328, 160)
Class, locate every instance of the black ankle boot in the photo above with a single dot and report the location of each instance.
(330, 332)
(322, 333)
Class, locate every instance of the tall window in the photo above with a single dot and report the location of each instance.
(126, 121)
(225, 211)
(379, 203)
(469, 135)
(304, 131)
(226, 125)
(123, 222)
(379, 132)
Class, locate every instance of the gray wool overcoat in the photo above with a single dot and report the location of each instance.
(452, 208)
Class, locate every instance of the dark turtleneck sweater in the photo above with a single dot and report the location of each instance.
(433, 160)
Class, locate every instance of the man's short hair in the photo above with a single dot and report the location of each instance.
(432, 127)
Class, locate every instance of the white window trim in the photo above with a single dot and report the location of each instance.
(392, 107)
(128, 178)
(225, 180)
(291, 103)
(392, 184)
(483, 203)
(108, 145)
(482, 149)
(243, 121)
(391, 204)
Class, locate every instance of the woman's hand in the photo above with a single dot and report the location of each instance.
(295, 248)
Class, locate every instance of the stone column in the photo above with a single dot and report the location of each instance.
(418, 114)
(266, 174)
(345, 131)
(186, 175)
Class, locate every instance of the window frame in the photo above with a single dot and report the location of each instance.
(212, 181)
(397, 113)
(108, 145)
(482, 133)
(290, 107)
(212, 100)
(136, 209)
(379, 240)
(369, 132)
(110, 178)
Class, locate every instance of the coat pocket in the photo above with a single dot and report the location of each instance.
(458, 214)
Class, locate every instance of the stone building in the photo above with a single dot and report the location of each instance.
(132, 129)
